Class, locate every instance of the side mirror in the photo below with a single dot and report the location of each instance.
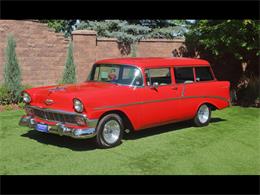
(155, 85)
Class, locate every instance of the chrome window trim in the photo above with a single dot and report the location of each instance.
(169, 67)
(137, 67)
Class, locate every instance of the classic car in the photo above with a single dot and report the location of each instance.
(127, 94)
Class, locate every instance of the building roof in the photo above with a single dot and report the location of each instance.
(155, 61)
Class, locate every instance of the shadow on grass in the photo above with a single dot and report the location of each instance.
(165, 129)
(89, 144)
(62, 141)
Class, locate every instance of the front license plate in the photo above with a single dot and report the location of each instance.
(42, 128)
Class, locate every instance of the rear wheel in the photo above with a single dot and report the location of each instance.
(110, 131)
(203, 116)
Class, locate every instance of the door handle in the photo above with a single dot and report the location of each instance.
(174, 88)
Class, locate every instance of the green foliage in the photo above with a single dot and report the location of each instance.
(129, 32)
(134, 30)
(21, 105)
(133, 50)
(6, 96)
(227, 45)
(248, 91)
(120, 29)
(64, 26)
(69, 75)
(217, 39)
(12, 74)
(8, 107)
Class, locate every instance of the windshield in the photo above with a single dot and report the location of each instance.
(120, 74)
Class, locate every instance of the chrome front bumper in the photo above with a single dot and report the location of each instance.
(61, 129)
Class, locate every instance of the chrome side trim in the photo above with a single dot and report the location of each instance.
(162, 100)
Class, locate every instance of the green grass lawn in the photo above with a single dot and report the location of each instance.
(229, 145)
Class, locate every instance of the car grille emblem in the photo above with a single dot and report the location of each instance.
(48, 101)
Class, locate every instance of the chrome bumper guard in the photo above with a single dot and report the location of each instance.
(61, 128)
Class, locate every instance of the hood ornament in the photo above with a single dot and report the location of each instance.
(56, 89)
(49, 101)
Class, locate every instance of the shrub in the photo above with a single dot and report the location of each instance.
(248, 92)
(6, 96)
(21, 105)
(12, 74)
(69, 75)
(133, 50)
(8, 107)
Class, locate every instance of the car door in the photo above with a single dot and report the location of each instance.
(184, 79)
(157, 96)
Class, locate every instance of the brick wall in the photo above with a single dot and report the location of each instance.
(42, 53)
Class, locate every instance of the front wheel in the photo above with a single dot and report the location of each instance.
(110, 131)
(203, 116)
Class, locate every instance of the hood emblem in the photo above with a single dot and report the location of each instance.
(48, 101)
(57, 89)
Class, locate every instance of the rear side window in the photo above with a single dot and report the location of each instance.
(203, 74)
(160, 75)
(183, 74)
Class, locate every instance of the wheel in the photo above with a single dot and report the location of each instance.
(110, 131)
(203, 116)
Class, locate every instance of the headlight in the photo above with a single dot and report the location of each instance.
(26, 98)
(78, 106)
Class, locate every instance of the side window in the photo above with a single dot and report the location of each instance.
(106, 73)
(203, 74)
(183, 74)
(160, 75)
(131, 76)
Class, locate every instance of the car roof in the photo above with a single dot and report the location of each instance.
(155, 61)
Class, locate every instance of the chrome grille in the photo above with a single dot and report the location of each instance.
(54, 116)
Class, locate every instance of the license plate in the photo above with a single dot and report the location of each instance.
(42, 128)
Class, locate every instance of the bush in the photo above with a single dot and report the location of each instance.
(12, 74)
(133, 50)
(69, 75)
(6, 96)
(248, 93)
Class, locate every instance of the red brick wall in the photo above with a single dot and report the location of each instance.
(42, 53)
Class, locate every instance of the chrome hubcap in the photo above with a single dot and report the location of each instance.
(203, 114)
(111, 131)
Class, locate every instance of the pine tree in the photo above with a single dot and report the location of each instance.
(69, 75)
(12, 73)
(133, 50)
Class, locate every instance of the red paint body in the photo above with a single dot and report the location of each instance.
(144, 106)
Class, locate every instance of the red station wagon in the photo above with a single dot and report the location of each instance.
(127, 94)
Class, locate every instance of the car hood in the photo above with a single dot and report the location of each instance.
(61, 96)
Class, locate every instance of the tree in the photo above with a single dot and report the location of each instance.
(168, 29)
(232, 48)
(69, 75)
(229, 42)
(129, 32)
(12, 73)
(63, 26)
